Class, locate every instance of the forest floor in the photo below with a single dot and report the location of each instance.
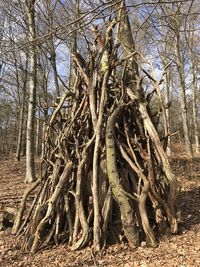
(174, 250)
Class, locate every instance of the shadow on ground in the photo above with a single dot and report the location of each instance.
(189, 205)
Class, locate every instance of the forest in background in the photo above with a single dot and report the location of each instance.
(100, 91)
(166, 36)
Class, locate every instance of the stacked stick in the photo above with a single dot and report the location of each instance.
(106, 177)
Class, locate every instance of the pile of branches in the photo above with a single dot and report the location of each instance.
(106, 177)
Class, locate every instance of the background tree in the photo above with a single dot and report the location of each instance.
(30, 147)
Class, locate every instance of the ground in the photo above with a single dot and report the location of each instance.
(174, 250)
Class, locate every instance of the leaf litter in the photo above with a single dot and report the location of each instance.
(180, 250)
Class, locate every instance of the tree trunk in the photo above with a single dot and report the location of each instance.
(30, 138)
(21, 117)
(167, 101)
(54, 66)
(181, 73)
(127, 217)
(37, 141)
(194, 102)
(126, 39)
(194, 108)
(43, 139)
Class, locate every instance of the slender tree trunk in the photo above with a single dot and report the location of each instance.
(24, 133)
(183, 98)
(167, 100)
(55, 72)
(43, 140)
(126, 39)
(195, 121)
(21, 118)
(37, 142)
(52, 48)
(73, 49)
(30, 138)
(20, 133)
(194, 103)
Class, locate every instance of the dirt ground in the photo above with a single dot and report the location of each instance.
(175, 250)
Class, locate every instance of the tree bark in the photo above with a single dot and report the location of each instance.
(194, 101)
(37, 141)
(54, 66)
(167, 101)
(30, 138)
(194, 107)
(181, 73)
(126, 39)
(21, 117)
(127, 217)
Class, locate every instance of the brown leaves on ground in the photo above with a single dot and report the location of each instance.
(178, 250)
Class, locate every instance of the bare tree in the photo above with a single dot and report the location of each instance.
(193, 66)
(22, 111)
(176, 22)
(30, 140)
